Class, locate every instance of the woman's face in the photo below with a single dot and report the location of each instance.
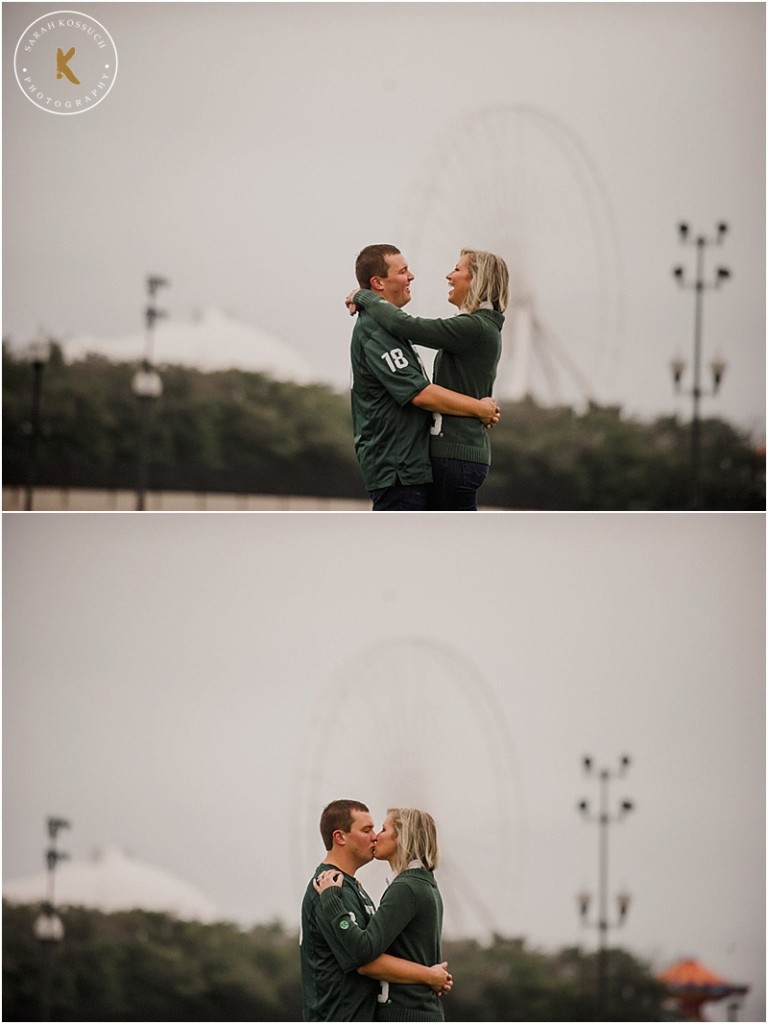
(386, 841)
(459, 279)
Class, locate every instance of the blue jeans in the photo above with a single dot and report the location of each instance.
(455, 485)
(401, 498)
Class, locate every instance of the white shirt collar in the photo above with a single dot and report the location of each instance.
(413, 864)
(483, 305)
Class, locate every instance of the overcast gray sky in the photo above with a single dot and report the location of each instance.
(248, 151)
(167, 679)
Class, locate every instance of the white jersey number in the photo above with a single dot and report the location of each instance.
(395, 359)
(437, 424)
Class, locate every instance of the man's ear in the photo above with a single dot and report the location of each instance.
(376, 284)
(338, 837)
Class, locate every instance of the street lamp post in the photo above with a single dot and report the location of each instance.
(39, 352)
(48, 926)
(718, 366)
(152, 313)
(603, 818)
(148, 387)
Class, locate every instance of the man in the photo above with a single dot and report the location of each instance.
(392, 397)
(332, 989)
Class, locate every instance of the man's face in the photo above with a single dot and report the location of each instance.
(396, 286)
(361, 838)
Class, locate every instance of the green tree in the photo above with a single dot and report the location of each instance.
(244, 433)
(141, 966)
(507, 981)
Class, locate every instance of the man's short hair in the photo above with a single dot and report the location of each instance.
(371, 263)
(338, 815)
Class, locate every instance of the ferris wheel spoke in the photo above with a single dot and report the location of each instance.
(549, 346)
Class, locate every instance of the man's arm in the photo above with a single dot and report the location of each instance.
(438, 399)
(398, 368)
(406, 972)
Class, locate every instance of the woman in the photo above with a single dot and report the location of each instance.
(469, 349)
(409, 921)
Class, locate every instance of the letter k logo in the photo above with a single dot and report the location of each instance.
(62, 67)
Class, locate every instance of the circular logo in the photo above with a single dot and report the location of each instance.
(65, 62)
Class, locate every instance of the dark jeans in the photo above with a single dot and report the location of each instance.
(455, 485)
(401, 498)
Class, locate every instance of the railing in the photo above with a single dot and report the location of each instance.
(51, 499)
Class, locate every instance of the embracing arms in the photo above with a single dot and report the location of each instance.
(407, 972)
(438, 399)
(373, 963)
(454, 334)
(363, 948)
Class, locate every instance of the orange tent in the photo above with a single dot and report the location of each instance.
(692, 985)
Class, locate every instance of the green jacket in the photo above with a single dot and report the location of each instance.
(331, 989)
(408, 924)
(391, 434)
(469, 347)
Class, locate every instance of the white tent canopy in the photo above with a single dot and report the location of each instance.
(110, 882)
(210, 340)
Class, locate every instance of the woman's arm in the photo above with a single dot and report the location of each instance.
(361, 945)
(454, 334)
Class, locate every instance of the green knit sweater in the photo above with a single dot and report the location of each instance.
(469, 347)
(407, 924)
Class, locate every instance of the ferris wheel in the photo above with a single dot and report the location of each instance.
(411, 723)
(517, 181)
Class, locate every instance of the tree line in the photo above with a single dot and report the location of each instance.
(241, 432)
(145, 966)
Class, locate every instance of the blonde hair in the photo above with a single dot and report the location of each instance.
(416, 838)
(490, 280)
